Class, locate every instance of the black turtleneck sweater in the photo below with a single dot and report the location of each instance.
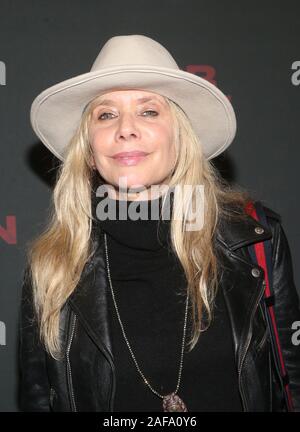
(150, 291)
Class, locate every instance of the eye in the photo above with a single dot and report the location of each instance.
(151, 111)
(100, 116)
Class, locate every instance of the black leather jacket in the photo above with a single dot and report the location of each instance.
(85, 379)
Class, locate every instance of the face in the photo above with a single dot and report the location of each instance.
(131, 137)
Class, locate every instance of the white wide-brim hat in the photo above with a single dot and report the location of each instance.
(134, 62)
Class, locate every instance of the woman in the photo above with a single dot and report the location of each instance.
(148, 314)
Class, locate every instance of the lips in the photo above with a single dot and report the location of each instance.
(130, 158)
(129, 154)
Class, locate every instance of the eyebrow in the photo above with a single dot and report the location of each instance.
(140, 100)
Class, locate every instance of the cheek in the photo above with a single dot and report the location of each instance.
(166, 143)
(161, 135)
(99, 143)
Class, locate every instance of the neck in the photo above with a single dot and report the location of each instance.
(143, 195)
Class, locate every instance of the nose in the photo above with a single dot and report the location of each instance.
(127, 127)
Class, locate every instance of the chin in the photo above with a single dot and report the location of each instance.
(132, 180)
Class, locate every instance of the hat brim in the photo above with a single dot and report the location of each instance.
(56, 112)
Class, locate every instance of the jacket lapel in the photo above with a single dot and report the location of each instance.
(89, 299)
(242, 290)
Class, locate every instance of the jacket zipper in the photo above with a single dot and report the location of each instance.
(262, 342)
(249, 336)
(69, 371)
(265, 336)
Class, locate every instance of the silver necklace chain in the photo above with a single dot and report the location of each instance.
(127, 342)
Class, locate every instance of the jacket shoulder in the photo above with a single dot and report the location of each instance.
(272, 214)
(274, 220)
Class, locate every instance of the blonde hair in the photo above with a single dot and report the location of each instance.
(58, 255)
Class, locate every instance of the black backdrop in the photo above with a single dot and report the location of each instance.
(253, 49)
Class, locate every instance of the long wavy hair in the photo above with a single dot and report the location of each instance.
(57, 256)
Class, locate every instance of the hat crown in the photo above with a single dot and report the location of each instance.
(133, 50)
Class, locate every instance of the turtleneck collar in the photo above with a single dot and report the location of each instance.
(150, 232)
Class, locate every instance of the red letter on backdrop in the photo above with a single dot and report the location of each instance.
(206, 71)
(9, 234)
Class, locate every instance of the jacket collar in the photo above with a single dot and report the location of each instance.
(234, 235)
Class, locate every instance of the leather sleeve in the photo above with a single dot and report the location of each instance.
(287, 309)
(34, 386)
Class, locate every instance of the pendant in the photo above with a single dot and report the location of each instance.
(173, 403)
